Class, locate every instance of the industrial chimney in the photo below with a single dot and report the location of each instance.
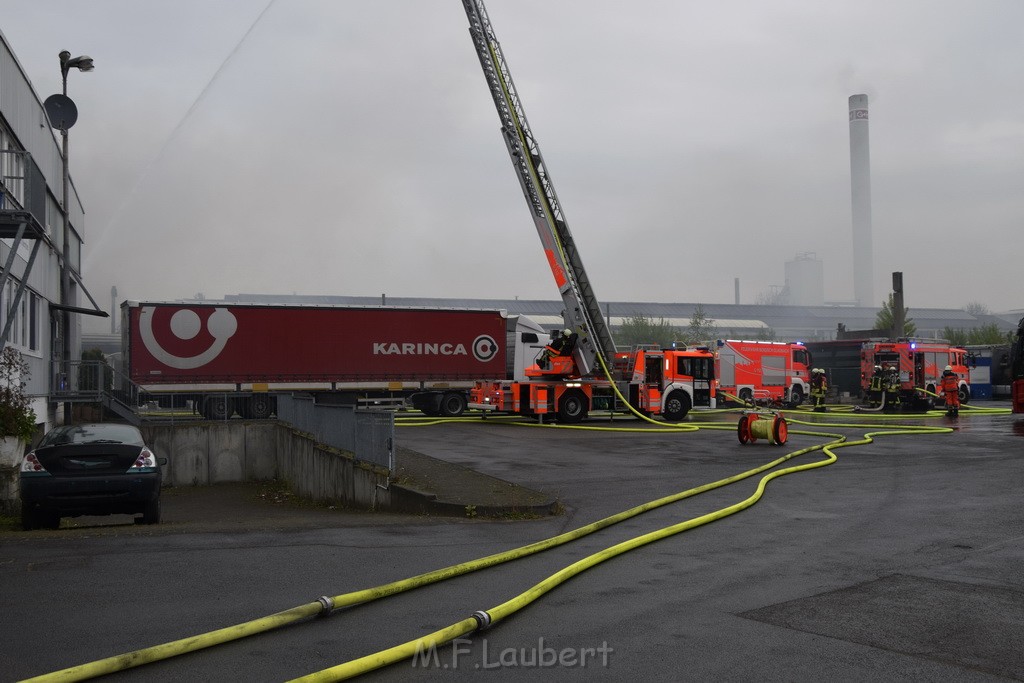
(860, 187)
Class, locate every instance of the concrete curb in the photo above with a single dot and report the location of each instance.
(413, 501)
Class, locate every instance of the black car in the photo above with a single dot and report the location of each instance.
(90, 469)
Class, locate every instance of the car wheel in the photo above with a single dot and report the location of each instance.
(965, 394)
(746, 397)
(28, 517)
(151, 515)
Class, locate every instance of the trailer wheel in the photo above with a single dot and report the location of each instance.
(572, 408)
(453, 404)
(677, 405)
(217, 408)
(261, 406)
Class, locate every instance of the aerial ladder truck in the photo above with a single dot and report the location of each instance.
(587, 372)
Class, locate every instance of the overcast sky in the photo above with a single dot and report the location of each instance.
(343, 147)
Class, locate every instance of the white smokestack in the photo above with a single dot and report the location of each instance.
(860, 186)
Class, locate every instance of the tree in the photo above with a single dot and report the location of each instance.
(639, 329)
(884, 319)
(977, 308)
(986, 334)
(955, 336)
(776, 296)
(95, 373)
(701, 328)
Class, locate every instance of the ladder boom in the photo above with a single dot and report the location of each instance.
(582, 311)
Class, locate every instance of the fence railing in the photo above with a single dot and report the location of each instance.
(369, 434)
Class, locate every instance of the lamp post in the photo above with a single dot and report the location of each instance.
(82, 63)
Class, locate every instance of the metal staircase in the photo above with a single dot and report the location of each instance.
(93, 381)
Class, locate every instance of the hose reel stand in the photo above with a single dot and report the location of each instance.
(754, 425)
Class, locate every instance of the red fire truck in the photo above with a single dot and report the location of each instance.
(920, 363)
(655, 382)
(1017, 369)
(763, 371)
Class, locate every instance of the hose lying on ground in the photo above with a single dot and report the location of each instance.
(325, 605)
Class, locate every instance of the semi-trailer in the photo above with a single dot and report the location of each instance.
(223, 359)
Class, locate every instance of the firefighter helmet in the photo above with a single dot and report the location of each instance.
(567, 332)
(878, 368)
(948, 368)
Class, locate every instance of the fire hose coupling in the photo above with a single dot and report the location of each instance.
(483, 619)
(327, 605)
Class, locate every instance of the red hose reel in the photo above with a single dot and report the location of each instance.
(755, 425)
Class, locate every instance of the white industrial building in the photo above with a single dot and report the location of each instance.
(32, 241)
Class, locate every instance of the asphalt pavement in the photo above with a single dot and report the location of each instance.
(900, 561)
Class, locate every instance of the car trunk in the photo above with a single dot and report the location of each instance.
(88, 459)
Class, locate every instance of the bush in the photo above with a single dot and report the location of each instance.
(16, 415)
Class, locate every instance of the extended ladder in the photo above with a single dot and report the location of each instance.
(582, 312)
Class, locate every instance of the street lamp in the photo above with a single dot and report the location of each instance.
(82, 63)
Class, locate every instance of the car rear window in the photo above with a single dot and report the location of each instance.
(93, 433)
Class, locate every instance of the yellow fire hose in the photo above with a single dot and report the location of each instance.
(325, 605)
(485, 618)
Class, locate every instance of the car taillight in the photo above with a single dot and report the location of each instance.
(146, 459)
(30, 463)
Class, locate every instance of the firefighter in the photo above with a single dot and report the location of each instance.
(951, 390)
(891, 386)
(875, 387)
(560, 346)
(818, 387)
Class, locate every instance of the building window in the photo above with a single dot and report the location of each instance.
(24, 332)
(12, 172)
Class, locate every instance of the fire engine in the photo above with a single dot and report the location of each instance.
(587, 373)
(1017, 369)
(763, 371)
(920, 364)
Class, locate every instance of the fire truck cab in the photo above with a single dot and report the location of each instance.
(763, 371)
(920, 364)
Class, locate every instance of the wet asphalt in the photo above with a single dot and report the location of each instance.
(901, 561)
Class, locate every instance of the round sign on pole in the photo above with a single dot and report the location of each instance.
(61, 111)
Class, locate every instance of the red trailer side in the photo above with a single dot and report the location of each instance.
(190, 347)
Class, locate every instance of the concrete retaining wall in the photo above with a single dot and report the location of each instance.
(201, 454)
(211, 453)
(10, 490)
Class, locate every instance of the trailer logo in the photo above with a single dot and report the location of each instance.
(186, 324)
(484, 348)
